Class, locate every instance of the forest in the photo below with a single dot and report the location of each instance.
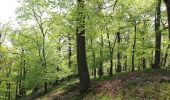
(86, 50)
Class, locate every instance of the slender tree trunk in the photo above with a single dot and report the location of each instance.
(94, 60)
(167, 2)
(119, 69)
(17, 96)
(101, 56)
(22, 76)
(8, 85)
(125, 64)
(69, 51)
(94, 57)
(16, 91)
(81, 49)
(95, 72)
(111, 67)
(100, 69)
(134, 47)
(24, 73)
(143, 42)
(157, 64)
(144, 62)
(44, 64)
(164, 59)
(20, 81)
(45, 86)
(111, 54)
(8, 94)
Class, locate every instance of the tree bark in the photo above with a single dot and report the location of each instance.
(134, 47)
(111, 66)
(81, 49)
(8, 84)
(94, 58)
(125, 63)
(111, 53)
(101, 56)
(8, 94)
(119, 69)
(167, 2)
(143, 42)
(69, 51)
(157, 62)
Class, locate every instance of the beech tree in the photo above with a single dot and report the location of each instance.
(81, 49)
(167, 2)
(157, 63)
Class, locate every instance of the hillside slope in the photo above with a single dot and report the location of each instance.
(140, 85)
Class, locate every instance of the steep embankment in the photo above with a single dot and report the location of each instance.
(140, 85)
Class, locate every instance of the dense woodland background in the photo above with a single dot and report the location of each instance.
(57, 40)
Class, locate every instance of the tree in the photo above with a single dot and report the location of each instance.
(100, 70)
(81, 50)
(167, 2)
(158, 36)
(143, 42)
(134, 46)
(119, 69)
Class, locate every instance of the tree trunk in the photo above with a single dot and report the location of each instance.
(69, 51)
(17, 96)
(44, 63)
(144, 62)
(24, 73)
(111, 54)
(22, 76)
(167, 2)
(111, 67)
(164, 60)
(8, 85)
(95, 72)
(158, 36)
(101, 56)
(81, 49)
(143, 42)
(8, 93)
(119, 69)
(45, 87)
(20, 80)
(125, 64)
(94, 58)
(16, 91)
(134, 47)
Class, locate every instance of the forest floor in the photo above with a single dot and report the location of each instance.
(148, 84)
